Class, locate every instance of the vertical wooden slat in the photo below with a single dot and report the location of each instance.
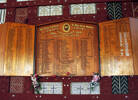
(3, 34)
(10, 54)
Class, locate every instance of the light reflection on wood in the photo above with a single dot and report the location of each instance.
(17, 49)
(116, 41)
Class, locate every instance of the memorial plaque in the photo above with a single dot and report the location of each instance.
(67, 47)
(116, 48)
(134, 37)
(18, 47)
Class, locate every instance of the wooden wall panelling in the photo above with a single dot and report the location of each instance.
(3, 34)
(115, 48)
(87, 51)
(66, 50)
(105, 48)
(96, 49)
(10, 54)
(134, 36)
(125, 47)
(19, 50)
(60, 51)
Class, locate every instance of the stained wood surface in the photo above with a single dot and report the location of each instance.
(67, 47)
(116, 48)
(3, 34)
(17, 49)
(134, 35)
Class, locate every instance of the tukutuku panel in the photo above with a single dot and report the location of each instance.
(21, 15)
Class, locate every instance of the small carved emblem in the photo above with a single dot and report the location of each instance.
(66, 27)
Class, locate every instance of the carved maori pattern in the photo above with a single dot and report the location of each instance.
(114, 10)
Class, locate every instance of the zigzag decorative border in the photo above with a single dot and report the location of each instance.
(114, 10)
(119, 83)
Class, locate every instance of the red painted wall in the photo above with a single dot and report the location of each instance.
(105, 86)
(32, 6)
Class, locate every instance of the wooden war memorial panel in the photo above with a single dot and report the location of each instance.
(67, 47)
(17, 49)
(134, 35)
(116, 48)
